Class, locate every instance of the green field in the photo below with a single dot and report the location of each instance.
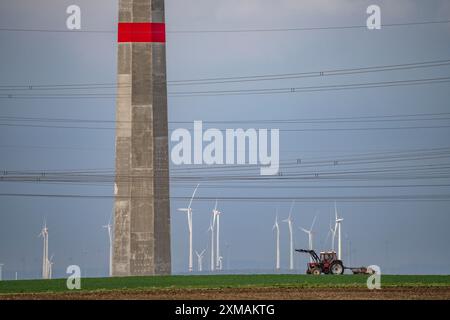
(221, 281)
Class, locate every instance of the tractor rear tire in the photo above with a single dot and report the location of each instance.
(337, 268)
(316, 271)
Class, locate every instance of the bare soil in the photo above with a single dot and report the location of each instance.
(399, 293)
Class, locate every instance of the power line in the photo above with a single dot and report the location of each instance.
(64, 96)
(324, 73)
(368, 118)
(287, 167)
(417, 23)
(318, 28)
(435, 197)
(281, 130)
(81, 31)
(271, 186)
(37, 87)
(386, 175)
(90, 149)
(298, 163)
(264, 91)
(355, 186)
(427, 169)
(237, 79)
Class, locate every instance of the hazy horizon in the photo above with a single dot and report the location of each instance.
(381, 152)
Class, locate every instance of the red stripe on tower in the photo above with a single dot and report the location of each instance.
(141, 32)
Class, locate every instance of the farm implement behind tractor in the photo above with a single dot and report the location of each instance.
(328, 263)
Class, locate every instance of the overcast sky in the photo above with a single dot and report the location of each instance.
(401, 236)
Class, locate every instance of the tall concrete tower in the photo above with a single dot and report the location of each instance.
(142, 215)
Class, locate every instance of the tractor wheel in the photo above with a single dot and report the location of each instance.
(315, 271)
(337, 268)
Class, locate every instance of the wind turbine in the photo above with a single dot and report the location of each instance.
(338, 228)
(212, 226)
(45, 262)
(211, 229)
(200, 260)
(349, 249)
(109, 228)
(276, 227)
(220, 263)
(291, 239)
(310, 235)
(332, 232)
(50, 267)
(227, 246)
(216, 215)
(188, 211)
(1, 271)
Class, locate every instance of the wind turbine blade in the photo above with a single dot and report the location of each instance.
(330, 224)
(276, 220)
(314, 221)
(183, 209)
(304, 230)
(211, 225)
(328, 236)
(215, 207)
(335, 210)
(292, 207)
(193, 195)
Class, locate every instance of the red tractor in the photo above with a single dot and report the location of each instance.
(328, 263)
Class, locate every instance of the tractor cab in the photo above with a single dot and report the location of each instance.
(328, 256)
(326, 263)
(326, 259)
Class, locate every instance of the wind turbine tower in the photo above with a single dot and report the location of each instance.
(50, 268)
(276, 227)
(1, 271)
(216, 214)
(291, 238)
(45, 261)
(332, 233)
(220, 263)
(211, 229)
(310, 235)
(200, 260)
(110, 235)
(188, 212)
(338, 228)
